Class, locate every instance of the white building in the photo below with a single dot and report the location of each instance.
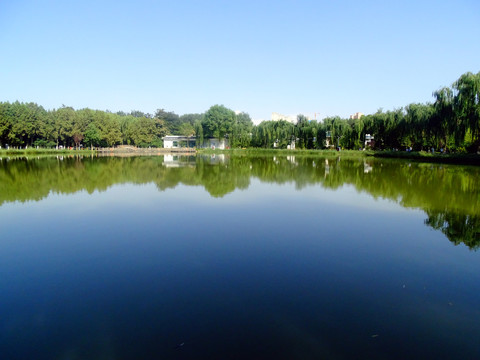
(356, 116)
(175, 142)
(290, 118)
(178, 142)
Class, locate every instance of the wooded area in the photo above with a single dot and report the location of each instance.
(451, 122)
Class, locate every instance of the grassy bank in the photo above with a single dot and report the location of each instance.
(461, 159)
(34, 151)
(260, 151)
(117, 151)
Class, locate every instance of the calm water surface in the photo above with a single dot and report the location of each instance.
(224, 257)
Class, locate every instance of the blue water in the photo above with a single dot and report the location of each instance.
(269, 271)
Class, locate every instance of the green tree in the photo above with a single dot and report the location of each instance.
(143, 132)
(109, 129)
(198, 131)
(63, 121)
(171, 120)
(218, 122)
(442, 123)
(190, 118)
(7, 119)
(92, 136)
(241, 130)
(467, 104)
(186, 129)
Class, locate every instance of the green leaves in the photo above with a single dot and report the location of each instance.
(92, 136)
(268, 133)
(466, 103)
(453, 120)
(218, 121)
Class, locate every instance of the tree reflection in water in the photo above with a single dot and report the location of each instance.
(448, 194)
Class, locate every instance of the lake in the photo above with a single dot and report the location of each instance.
(238, 257)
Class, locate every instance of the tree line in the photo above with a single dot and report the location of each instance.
(30, 125)
(450, 122)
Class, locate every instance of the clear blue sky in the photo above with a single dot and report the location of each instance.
(328, 57)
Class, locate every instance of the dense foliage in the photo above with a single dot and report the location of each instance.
(451, 122)
(28, 124)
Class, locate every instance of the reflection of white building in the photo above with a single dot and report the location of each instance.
(175, 161)
(217, 158)
(292, 159)
(367, 167)
(214, 158)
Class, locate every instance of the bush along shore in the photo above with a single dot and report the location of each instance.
(437, 157)
(43, 151)
(96, 150)
(422, 156)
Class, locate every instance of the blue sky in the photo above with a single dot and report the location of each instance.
(324, 57)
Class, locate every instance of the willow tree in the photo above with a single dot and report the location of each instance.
(467, 104)
(241, 130)
(415, 126)
(442, 123)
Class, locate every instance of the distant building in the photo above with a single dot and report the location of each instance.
(178, 142)
(290, 118)
(356, 116)
(174, 141)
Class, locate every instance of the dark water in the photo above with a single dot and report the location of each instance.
(238, 258)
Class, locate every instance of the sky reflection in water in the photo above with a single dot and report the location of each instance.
(277, 261)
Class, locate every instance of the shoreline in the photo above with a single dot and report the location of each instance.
(97, 151)
(420, 156)
(449, 158)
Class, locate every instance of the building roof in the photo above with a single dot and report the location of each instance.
(178, 137)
